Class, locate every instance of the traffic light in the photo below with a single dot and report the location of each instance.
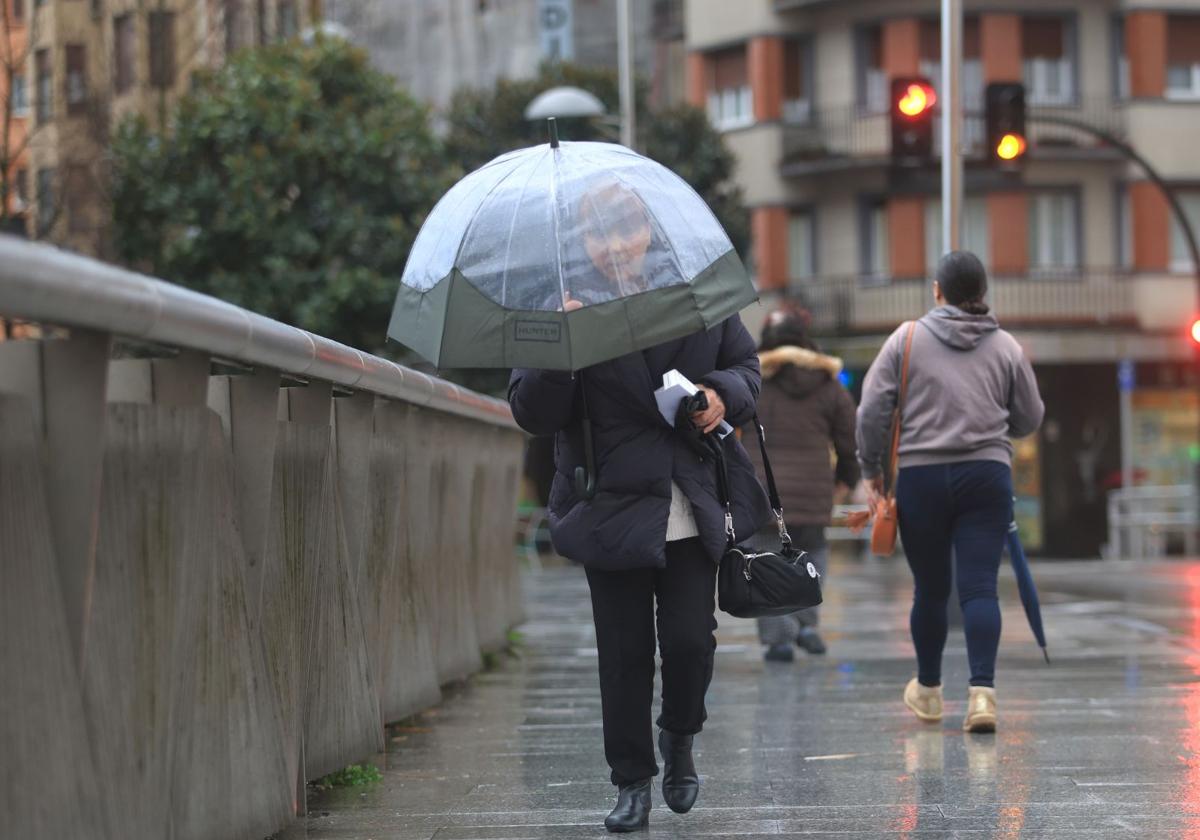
(1006, 140)
(913, 99)
(1195, 333)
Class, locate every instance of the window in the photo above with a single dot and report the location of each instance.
(802, 257)
(286, 23)
(1124, 242)
(1048, 66)
(75, 83)
(1120, 67)
(1053, 230)
(18, 10)
(45, 199)
(973, 233)
(797, 81)
(78, 200)
(729, 104)
(124, 58)
(872, 81)
(1183, 57)
(45, 85)
(162, 49)
(21, 190)
(876, 254)
(20, 95)
(1181, 256)
(232, 23)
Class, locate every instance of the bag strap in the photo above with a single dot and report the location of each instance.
(894, 456)
(723, 493)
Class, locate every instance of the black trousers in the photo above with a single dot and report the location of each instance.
(623, 607)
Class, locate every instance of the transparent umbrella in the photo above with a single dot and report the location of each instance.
(561, 256)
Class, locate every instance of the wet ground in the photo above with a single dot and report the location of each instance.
(1104, 743)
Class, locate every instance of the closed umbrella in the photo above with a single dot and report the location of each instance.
(562, 256)
(1025, 585)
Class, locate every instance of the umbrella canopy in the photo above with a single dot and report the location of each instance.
(1025, 585)
(562, 256)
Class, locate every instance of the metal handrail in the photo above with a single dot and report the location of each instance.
(1137, 515)
(43, 284)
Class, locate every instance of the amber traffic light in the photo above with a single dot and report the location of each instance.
(911, 111)
(1005, 123)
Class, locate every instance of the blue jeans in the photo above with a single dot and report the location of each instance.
(962, 512)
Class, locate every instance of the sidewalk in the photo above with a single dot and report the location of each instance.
(1106, 743)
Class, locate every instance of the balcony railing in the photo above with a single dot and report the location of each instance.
(1062, 299)
(853, 136)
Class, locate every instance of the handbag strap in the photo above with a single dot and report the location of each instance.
(894, 456)
(723, 493)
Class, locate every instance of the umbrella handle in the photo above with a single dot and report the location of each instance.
(585, 483)
(585, 479)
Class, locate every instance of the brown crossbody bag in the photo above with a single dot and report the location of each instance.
(884, 523)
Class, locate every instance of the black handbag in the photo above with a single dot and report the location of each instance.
(755, 584)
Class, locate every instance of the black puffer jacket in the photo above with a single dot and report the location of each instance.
(805, 411)
(638, 453)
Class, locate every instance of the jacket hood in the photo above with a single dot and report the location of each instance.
(957, 329)
(797, 370)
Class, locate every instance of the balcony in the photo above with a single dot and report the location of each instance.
(1064, 299)
(849, 137)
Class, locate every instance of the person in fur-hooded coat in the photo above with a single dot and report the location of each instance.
(806, 412)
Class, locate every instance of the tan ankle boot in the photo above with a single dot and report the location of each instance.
(923, 701)
(981, 709)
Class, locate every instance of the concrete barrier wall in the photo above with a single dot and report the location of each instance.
(214, 587)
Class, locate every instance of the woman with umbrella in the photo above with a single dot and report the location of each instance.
(959, 387)
(593, 271)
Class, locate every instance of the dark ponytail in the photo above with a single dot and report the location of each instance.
(963, 282)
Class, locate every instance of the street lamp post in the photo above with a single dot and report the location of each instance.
(625, 72)
(952, 167)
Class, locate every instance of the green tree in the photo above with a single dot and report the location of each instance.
(488, 122)
(292, 182)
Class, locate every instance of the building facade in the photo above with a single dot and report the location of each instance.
(88, 65)
(1088, 267)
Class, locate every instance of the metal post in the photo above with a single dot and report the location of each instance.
(952, 168)
(1126, 383)
(625, 72)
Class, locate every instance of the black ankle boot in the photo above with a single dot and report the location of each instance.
(680, 785)
(633, 808)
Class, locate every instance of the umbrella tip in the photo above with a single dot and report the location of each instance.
(1046, 654)
(552, 128)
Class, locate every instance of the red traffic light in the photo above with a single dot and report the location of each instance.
(1195, 332)
(916, 98)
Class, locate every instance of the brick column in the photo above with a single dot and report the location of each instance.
(697, 79)
(906, 236)
(769, 229)
(1151, 219)
(1008, 232)
(901, 47)
(1000, 48)
(1146, 49)
(765, 69)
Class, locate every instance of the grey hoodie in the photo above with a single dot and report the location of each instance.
(970, 388)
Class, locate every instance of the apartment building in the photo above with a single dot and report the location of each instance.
(91, 63)
(1088, 267)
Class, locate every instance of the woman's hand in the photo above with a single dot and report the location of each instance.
(874, 489)
(712, 416)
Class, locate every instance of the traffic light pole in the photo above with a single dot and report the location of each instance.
(952, 164)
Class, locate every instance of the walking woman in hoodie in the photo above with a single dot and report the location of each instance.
(806, 413)
(970, 389)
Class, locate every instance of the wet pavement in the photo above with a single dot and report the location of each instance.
(1103, 743)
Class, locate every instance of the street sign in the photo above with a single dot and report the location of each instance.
(556, 24)
(1126, 375)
